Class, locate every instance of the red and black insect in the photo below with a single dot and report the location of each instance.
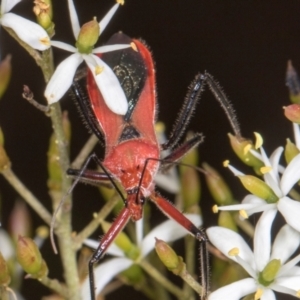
(132, 152)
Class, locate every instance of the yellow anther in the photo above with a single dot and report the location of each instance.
(298, 294)
(45, 41)
(247, 148)
(95, 215)
(243, 214)
(258, 294)
(259, 140)
(234, 252)
(215, 209)
(121, 2)
(226, 163)
(265, 169)
(98, 70)
(160, 127)
(133, 46)
(42, 231)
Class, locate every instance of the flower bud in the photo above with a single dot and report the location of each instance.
(293, 83)
(217, 186)
(44, 14)
(4, 272)
(123, 242)
(88, 37)
(19, 220)
(258, 188)
(168, 256)
(190, 181)
(29, 257)
(242, 147)
(134, 275)
(290, 151)
(5, 74)
(292, 113)
(226, 220)
(270, 271)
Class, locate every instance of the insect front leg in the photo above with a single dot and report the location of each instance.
(171, 212)
(106, 240)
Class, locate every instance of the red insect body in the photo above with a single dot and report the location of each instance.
(125, 160)
(132, 151)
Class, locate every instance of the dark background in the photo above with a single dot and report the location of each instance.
(244, 44)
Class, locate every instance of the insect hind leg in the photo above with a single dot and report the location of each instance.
(171, 212)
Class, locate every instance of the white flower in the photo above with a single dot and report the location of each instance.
(168, 231)
(268, 266)
(29, 32)
(280, 185)
(105, 78)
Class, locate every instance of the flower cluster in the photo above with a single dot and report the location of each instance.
(271, 268)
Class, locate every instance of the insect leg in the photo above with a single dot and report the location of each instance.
(220, 96)
(179, 152)
(171, 212)
(83, 101)
(107, 239)
(186, 112)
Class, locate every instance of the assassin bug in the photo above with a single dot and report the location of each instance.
(132, 152)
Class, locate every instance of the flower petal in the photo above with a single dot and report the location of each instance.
(225, 240)
(29, 32)
(285, 244)
(104, 273)
(112, 249)
(108, 85)
(291, 175)
(297, 134)
(268, 294)
(167, 231)
(290, 209)
(7, 248)
(7, 5)
(274, 159)
(109, 48)
(62, 78)
(234, 291)
(104, 22)
(262, 238)
(253, 200)
(74, 19)
(288, 285)
(64, 46)
(290, 268)
(272, 162)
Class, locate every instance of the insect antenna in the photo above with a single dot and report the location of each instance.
(81, 176)
(52, 225)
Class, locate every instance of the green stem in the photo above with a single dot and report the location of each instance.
(27, 195)
(64, 230)
(55, 285)
(190, 280)
(172, 288)
(4, 294)
(85, 151)
(190, 244)
(94, 224)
